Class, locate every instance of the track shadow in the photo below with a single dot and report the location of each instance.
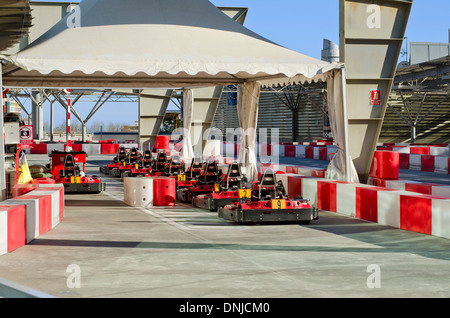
(95, 203)
(423, 249)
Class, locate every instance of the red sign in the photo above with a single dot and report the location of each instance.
(375, 97)
(26, 134)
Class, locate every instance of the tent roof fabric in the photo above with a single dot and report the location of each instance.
(154, 43)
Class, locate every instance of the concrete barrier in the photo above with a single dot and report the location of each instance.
(13, 233)
(138, 192)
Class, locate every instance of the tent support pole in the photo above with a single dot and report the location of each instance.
(2, 144)
(345, 119)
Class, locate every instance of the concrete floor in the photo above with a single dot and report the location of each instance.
(184, 252)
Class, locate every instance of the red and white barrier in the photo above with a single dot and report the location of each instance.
(31, 218)
(93, 149)
(30, 214)
(429, 158)
(413, 186)
(12, 227)
(440, 218)
(403, 204)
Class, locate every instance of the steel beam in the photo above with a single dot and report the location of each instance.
(206, 101)
(152, 109)
(371, 37)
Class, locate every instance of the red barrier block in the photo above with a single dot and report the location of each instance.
(265, 149)
(404, 161)
(162, 143)
(16, 226)
(323, 153)
(318, 173)
(415, 213)
(367, 203)
(44, 181)
(294, 186)
(109, 149)
(164, 191)
(20, 189)
(75, 147)
(49, 187)
(420, 150)
(427, 163)
(385, 165)
(291, 169)
(326, 195)
(289, 151)
(309, 152)
(378, 182)
(45, 210)
(424, 188)
(38, 149)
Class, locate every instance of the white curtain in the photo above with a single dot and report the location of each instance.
(247, 108)
(187, 153)
(337, 167)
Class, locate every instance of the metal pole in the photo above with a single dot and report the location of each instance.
(2, 145)
(68, 136)
(413, 134)
(345, 119)
(83, 131)
(51, 120)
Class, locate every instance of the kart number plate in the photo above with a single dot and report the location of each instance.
(217, 187)
(244, 193)
(279, 204)
(181, 177)
(75, 180)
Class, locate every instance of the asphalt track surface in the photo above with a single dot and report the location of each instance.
(106, 249)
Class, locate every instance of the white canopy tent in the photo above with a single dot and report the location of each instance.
(172, 44)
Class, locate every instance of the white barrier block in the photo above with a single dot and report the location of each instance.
(415, 162)
(440, 218)
(397, 184)
(439, 151)
(281, 150)
(229, 150)
(280, 167)
(57, 147)
(346, 198)
(388, 207)
(401, 149)
(92, 149)
(138, 192)
(304, 171)
(300, 151)
(441, 164)
(55, 203)
(441, 191)
(309, 190)
(129, 146)
(316, 153)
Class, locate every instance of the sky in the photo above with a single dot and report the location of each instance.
(299, 25)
